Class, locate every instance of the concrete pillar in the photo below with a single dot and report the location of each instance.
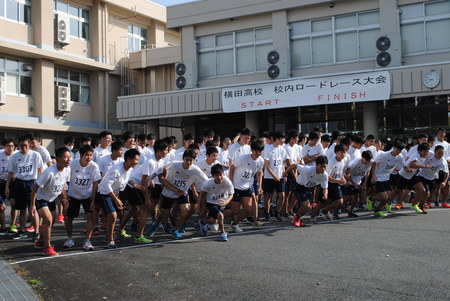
(97, 25)
(389, 26)
(252, 122)
(370, 118)
(44, 89)
(100, 109)
(40, 12)
(281, 42)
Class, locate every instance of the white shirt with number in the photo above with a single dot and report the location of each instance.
(386, 163)
(371, 149)
(100, 152)
(181, 178)
(81, 179)
(51, 183)
(419, 160)
(115, 180)
(245, 171)
(235, 150)
(312, 151)
(149, 168)
(107, 162)
(276, 157)
(335, 168)
(358, 170)
(144, 153)
(308, 177)
(4, 158)
(45, 155)
(216, 192)
(436, 166)
(293, 153)
(25, 166)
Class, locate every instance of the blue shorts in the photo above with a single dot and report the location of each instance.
(255, 187)
(238, 194)
(269, 185)
(214, 210)
(21, 193)
(334, 191)
(106, 203)
(290, 183)
(43, 203)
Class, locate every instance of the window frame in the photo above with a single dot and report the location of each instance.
(80, 19)
(18, 2)
(20, 74)
(136, 37)
(68, 82)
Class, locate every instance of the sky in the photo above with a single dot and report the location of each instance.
(170, 2)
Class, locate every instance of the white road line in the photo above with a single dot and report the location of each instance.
(205, 238)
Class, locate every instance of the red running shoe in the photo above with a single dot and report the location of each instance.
(30, 228)
(428, 205)
(61, 218)
(50, 251)
(296, 221)
(96, 231)
(41, 245)
(445, 205)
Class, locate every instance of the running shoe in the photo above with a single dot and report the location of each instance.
(436, 204)
(215, 227)
(314, 220)
(205, 229)
(3, 232)
(296, 221)
(223, 237)
(153, 227)
(61, 219)
(445, 205)
(112, 246)
(69, 243)
(177, 235)
(236, 228)
(352, 214)
(182, 229)
(278, 216)
(388, 207)
(380, 214)
(267, 216)
(258, 224)
(369, 203)
(13, 229)
(428, 205)
(142, 240)
(198, 225)
(416, 208)
(21, 235)
(50, 251)
(41, 245)
(124, 234)
(88, 246)
(30, 228)
(36, 237)
(167, 228)
(327, 215)
(336, 215)
(96, 231)
(399, 206)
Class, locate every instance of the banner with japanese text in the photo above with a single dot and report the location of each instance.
(357, 87)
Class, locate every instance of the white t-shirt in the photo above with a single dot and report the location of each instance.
(276, 157)
(358, 170)
(415, 157)
(329, 153)
(107, 162)
(412, 151)
(25, 166)
(223, 159)
(245, 170)
(45, 155)
(446, 147)
(293, 153)
(181, 178)
(335, 168)
(4, 164)
(436, 166)
(216, 192)
(115, 180)
(235, 150)
(149, 168)
(169, 158)
(205, 167)
(354, 153)
(100, 152)
(311, 151)
(371, 149)
(386, 163)
(308, 177)
(81, 179)
(51, 183)
(144, 153)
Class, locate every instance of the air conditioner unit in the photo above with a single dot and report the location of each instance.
(62, 30)
(63, 101)
(2, 91)
(27, 67)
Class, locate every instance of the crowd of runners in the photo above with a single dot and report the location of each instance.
(148, 184)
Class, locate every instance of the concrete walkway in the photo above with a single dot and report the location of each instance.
(12, 286)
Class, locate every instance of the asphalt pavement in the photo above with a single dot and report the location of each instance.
(401, 257)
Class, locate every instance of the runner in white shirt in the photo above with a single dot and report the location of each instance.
(188, 139)
(369, 145)
(104, 148)
(382, 167)
(47, 188)
(35, 145)
(293, 157)
(176, 178)
(129, 140)
(142, 148)
(151, 139)
(108, 161)
(208, 135)
(312, 149)
(423, 138)
(85, 140)
(325, 140)
(358, 169)
(5, 155)
(274, 156)
(113, 182)
(241, 147)
(242, 172)
(84, 179)
(216, 193)
(307, 180)
(223, 156)
(441, 141)
(25, 167)
(355, 148)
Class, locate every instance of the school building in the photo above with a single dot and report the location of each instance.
(372, 66)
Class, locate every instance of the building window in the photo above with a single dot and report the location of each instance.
(425, 27)
(340, 39)
(137, 38)
(16, 10)
(234, 53)
(17, 76)
(78, 82)
(79, 19)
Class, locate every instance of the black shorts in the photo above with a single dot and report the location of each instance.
(255, 187)
(43, 203)
(369, 180)
(350, 190)
(166, 203)
(238, 194)
(134, 196)
(269, 185)
(405, 184)
(2, 190)
(429, 185)
(393, 180)
(303, 193)
(192, 199)
(74, 206)
(21, 193)
(441, 177)
(290, 183)
(334, 191)
(383, 186)
(214, 210)
(155, 192)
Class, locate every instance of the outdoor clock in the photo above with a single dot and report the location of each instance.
(431, 79)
